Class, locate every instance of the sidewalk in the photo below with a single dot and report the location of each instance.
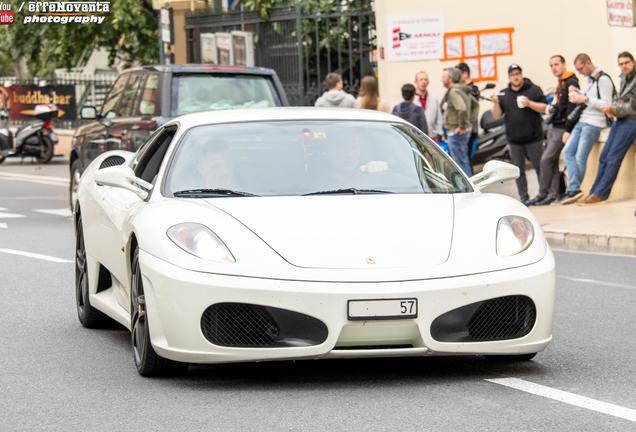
(606, 227)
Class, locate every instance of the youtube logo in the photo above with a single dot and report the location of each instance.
(7, 17)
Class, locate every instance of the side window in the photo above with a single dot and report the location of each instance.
(148, 164)
(148, 104)
(130, 93)
(109, 107)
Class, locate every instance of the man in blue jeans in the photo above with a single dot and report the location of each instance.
(457, 115)
(622, 134)
(598, 90)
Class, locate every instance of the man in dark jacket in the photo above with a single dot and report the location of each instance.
(622, 134)
(558, 133)
(523, 103)
(410, 112)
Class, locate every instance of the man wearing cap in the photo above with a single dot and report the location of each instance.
(522, 102)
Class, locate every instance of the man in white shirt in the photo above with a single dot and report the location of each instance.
(432, 109)
(597, 91)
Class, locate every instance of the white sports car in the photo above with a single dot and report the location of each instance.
(296, 233)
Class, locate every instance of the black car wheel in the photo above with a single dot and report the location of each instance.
(147, 361)
(88, 315)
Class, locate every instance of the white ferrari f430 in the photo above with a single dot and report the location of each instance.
(296, 233)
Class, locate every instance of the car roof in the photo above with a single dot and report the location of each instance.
(202, 68)
(281, 114)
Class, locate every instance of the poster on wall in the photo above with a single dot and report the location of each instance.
(417, 37)
(621, 13)
(225, 53)
(208, 48)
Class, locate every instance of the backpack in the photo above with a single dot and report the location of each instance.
(596, 78)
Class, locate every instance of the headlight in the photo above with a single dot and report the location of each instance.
(200, 241)
(514, 235)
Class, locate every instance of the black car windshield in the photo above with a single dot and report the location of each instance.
(309, 158)
(204, 92)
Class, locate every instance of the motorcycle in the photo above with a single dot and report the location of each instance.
(36, 139)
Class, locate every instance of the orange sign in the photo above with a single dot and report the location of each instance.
(479, 49)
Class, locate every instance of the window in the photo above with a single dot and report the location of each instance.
(147, 165)
(130, 95)
(148, 105)
(203, 92)
(303, 157)
(109, 108)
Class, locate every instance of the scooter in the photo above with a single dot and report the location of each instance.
(36, 139)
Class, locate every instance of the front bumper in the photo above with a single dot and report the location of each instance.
(176, 299)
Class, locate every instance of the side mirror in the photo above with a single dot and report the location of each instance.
(123, 177)
(490, 86)
(495, 172)
(88, 113)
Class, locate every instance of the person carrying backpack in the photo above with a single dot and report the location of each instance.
(410, 112)
(597, 91)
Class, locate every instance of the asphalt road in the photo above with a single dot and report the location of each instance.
(56, 375)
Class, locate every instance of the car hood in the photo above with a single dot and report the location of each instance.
(350, 232)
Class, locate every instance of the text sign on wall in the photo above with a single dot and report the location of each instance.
(417, 37)
(22, 99)
(621, 13)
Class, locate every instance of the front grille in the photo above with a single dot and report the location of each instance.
(112, 161)
(500, 318)
(248, 325)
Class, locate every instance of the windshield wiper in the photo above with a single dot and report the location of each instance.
(193, 193)
(353, 191)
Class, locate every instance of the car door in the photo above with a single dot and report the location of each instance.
(96, 139)
(119, 208)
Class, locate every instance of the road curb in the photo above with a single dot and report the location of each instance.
(606, 243)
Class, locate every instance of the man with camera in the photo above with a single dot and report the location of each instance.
(559, 129)
(598, 91)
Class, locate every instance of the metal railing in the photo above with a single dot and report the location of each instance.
(302, 44)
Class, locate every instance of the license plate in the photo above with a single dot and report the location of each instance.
(382, 309)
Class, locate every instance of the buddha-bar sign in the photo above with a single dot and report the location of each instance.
(621, 13)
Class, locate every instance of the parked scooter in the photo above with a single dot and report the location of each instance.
(36, 139)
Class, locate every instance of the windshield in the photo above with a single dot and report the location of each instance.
(309, 157)
(203, 92)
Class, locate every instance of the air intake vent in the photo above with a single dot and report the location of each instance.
(112, 161)
(247, 325)
(500, 318)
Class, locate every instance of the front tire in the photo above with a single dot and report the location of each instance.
(88, 316)
(147, 361)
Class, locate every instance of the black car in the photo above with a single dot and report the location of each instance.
(142, 99)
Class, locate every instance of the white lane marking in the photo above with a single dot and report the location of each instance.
(597, 282)
(35, 255)
(47, 180)
(567, 397)
(4, 215)
(55, 212)
(34, 177)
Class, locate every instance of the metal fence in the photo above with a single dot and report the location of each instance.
(301, 43)
(89, 90)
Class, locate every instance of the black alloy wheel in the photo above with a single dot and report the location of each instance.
(88, 316)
